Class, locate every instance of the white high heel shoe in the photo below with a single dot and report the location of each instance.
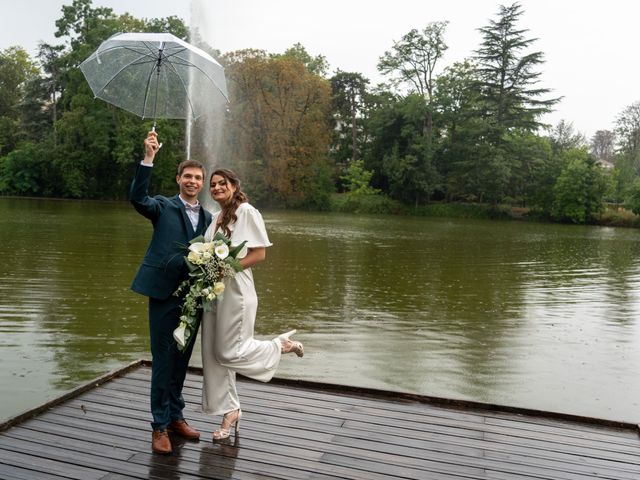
(223, 432)
(289, 346)
(285, 336)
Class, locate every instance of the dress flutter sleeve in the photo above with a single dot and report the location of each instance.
(249, 227)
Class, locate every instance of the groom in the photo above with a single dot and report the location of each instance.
(175, 220)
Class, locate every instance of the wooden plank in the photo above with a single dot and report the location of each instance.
(487, 460)
(260, 450)
(50, 467)
(73, 458)
(621, 475)
(308, 430)
(462, 405)
(460, 453)
(296, 451)
(363, 394)
(425, 418)
(461, 428)
(290, 451)
(70, 394)
(394, 409)
(399, 451)
(77, 440)
(9, 472)
(388, 411)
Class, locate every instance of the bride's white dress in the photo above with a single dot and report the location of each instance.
(228, 346)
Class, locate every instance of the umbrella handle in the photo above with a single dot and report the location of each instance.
(153, 129)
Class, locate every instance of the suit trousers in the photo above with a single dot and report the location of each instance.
(169, 365)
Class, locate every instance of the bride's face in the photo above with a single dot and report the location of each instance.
(221, 190)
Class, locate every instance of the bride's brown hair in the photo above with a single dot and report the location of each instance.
(228, 213)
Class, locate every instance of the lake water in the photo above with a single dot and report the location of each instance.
(530, 315)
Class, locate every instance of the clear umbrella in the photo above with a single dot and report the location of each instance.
(155, 75)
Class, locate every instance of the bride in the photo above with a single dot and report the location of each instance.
(228, 346)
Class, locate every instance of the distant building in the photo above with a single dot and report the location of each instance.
(606, 164)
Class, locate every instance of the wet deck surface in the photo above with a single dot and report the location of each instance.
(299, 432)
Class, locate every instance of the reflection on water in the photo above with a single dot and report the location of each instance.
(539, 316)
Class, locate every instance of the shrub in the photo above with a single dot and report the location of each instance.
(580, 189)
(350, 203)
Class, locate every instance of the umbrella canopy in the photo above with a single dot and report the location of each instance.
(155, 75)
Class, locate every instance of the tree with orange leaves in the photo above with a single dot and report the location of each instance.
(278, 128)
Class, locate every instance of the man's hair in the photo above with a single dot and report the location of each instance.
(191, 164)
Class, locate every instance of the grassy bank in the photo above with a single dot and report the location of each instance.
(382, 204)
(616, 216)
(613, 216)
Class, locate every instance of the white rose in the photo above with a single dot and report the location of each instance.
(218, 288)
(194, 257)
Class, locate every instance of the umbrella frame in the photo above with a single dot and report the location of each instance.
(161, 60)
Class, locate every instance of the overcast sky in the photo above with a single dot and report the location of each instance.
(590, 49)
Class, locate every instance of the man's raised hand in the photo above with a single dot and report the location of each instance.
(151, 147)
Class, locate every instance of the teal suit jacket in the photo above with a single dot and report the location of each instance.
(163, 266)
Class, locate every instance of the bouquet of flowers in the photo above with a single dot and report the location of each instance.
(209, 263)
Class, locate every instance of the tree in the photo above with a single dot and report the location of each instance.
(413, 60)
(534, 169)
(16, 70)
(580, 189)
(348, 93)
(457, 112)
(35, 116)
(564, 137)
(62, 142)
(358, 180)
(83, 24)
(172, 24)
(278, 128)
(602, 146)
(49, 57)
(28, 171)
(317, 65)
(627, 157)
(398, 153)
(628, 131)
(96, 143)
(633, 198)
(508, 76)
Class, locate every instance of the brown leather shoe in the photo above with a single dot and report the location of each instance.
(182, 428)
(160, 442)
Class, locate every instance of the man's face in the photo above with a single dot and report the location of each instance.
(190, 183)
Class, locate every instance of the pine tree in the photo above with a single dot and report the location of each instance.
(509, 75)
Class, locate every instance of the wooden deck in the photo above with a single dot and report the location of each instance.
(300, 430)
